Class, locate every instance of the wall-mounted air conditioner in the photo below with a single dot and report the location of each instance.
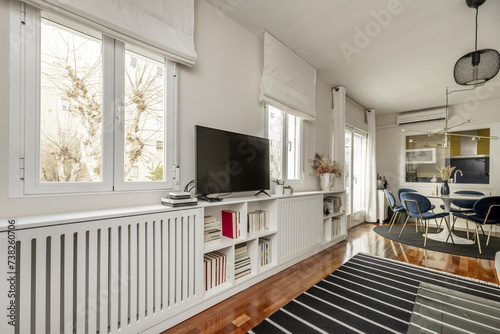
(422, 116)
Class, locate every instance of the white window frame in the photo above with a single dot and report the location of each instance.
(285, 140)
(24, 124)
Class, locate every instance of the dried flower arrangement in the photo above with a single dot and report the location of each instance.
(322, 164)
(445, 172)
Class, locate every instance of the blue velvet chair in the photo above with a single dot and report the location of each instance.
(463, 206)
(419, 206)
(486, 211)
(396, 209)
(404, 190)
(409, 190)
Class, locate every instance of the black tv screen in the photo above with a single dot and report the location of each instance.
(230, 162)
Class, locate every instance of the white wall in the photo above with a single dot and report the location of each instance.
(221, 91)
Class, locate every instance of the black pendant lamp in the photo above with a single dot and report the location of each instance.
(479, 66)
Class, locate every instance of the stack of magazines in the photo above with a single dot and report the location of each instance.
(176, 199)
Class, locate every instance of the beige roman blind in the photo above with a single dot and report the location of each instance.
(288, 81)
(165, 26)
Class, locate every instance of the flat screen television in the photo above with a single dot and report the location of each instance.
(230, 162)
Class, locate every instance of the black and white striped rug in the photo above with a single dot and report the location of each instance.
(367, 294)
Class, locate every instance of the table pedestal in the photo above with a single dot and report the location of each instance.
(443, 235)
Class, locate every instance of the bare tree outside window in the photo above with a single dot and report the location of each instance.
(71, 110)
(275, 136)
(70, 132)
(144, 106)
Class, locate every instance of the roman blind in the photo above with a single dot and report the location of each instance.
(288, 81)
(164, 26)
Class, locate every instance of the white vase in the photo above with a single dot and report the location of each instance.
(326, 181)
(278, 189)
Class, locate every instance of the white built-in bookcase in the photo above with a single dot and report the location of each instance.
(155, 255)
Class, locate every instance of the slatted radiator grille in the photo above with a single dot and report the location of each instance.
(300, 225)
(107, 276)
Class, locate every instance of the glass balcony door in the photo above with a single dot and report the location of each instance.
(355, 159)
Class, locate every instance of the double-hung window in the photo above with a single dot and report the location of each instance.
(285, 139)
(94, 114)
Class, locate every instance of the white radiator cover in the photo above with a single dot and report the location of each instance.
(138, 269)
(300, 226)
(109, 276)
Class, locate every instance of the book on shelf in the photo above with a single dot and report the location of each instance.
(258, 220)
(244, 273)
(240, 251)
(242, 265)
(212, 230)
(231, 224)
(265, 251)
(332, 205)
(209, 219)
(172, 202)
(215, 269)
(336, 227)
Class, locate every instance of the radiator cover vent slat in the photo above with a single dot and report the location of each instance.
(121, 274)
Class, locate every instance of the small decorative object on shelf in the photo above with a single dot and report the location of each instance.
(278, 187)
(288, 190)
(445, 172)
(327, 169)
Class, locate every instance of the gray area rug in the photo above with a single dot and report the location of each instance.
(367, 294)
(410, 237)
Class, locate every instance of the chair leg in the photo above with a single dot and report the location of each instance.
(392, 219)
(437, 225)
(426, 230)
(396, 217)
(449, 231)
(481, 226)
(453, 225)
(440, 223)
(489, 235)
(477, 238)
(467, 227)
(406, 221)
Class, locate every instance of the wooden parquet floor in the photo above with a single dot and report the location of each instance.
(243, 311)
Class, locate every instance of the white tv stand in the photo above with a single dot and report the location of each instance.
(298, 229)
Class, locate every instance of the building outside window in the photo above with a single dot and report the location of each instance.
(284, 132)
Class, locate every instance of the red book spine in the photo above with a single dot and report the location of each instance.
(227, 224)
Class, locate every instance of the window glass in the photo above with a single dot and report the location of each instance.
(70, 105)
(275, 135)
(468, 151)
(95, 113)
(284, 133)
(293, 149)
(144, 115)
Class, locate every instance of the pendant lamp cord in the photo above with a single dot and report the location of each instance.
(448, 92)
(477, 13)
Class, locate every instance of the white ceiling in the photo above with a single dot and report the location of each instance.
(405, 65)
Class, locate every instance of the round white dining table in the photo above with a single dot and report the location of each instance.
(444, 235)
